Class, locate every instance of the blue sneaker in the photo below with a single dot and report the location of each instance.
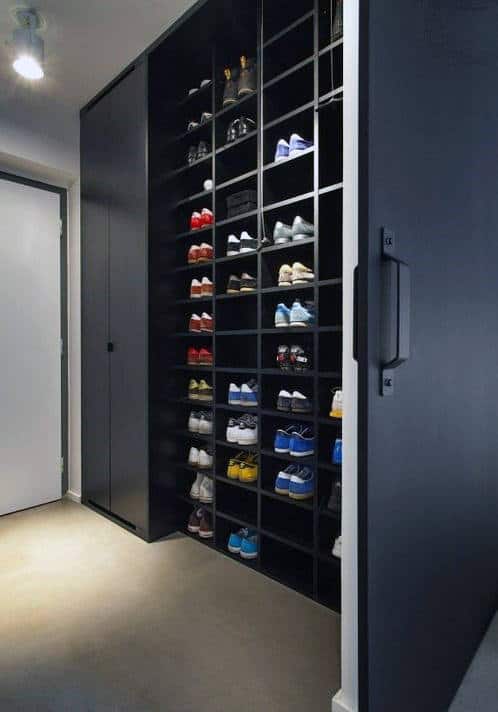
(283, 438)
(282, 315)
(283, 479)
(236, 538)
(300, 316)
(297, 145)
(282, 150)
(249, 394)
(337, 452)
(249, 548)
(302, 442)
(302, 484)
(233, 394)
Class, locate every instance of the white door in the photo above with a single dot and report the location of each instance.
(30, 357)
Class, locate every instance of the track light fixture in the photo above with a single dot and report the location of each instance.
(28, 46)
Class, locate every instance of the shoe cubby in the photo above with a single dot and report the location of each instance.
(279, 15)
(280, 96)
(291, 48)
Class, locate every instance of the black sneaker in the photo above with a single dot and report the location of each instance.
(191, 155)
(234, 284)
(334, 503)
(283, 358)
(203, 150)
(284, 401)
(300, 403)
(230, 92)
(233, 131)
(247, 283)
(300, 358)
(245, 126)
(247, 78)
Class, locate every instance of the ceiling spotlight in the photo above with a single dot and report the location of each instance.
(28, 46)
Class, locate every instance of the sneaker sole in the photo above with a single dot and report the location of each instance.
(303, 280)
(281, 325)
(193, 397)
(301, 236)
(281, 450)
(232, 253)
(281, 491)
(248, 289)
(243, 250)
(280, 158)
(206, 399)
(193, 496)
(281, 240)
(286, 283)
(248, 405)
(245, 555)
(299, 323)
(205, 432)
(248, 479)
(298, 151)
(205, 500)
(233, 549)
(206, 535)
(247, 442)
(206, 294)
(302, 410)
(302, 454)
(335, 414)
(193, 530)
(233, 402)
(306, 495)
(233, 291)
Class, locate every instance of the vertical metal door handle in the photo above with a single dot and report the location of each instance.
(355, 313)
(396, 316)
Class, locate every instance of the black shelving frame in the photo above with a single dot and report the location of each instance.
(295, 537)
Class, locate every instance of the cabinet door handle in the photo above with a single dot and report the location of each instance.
(110, 346)
(396, 313)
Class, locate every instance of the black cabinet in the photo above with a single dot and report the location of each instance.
(115, 302)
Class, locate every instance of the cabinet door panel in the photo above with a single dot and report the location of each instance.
(94, 309)
(128, 298)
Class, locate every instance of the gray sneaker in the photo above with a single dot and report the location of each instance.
(301, 230)
(281, 233)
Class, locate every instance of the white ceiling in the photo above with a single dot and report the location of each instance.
(87, 43)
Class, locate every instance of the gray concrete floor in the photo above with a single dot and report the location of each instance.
(93, 619)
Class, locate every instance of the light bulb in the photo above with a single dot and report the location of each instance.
(28, 67)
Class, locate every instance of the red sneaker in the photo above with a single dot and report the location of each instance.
(206, 287)
(205, 357)
(193, 254)
(192, 357)
(195, 221)
(195, 323)
(207, 217)
(205, 253)
(207, 322)
(195, 289)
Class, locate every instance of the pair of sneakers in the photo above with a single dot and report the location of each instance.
(199, 357)
(243, 467)
(297, 316)
(198, 220)
(200, 522)
(197, 153)
(246, 394)
(296, 440)
(296, 482)
(294, 402)
(205, 117)
(245, 283)
(200, 390)
(242, 246)
(299, 230)
(243, 431)
(200, 457)
(197, 254)
(295, 274)
(293, 358)
(294, 147)
(238, 128)
(205, 323)
(202, 488)
(200, 422)
(201, 288)
(245, 543)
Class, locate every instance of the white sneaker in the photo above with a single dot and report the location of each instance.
(285, 274)
(193, 456)
(301, 274)
(233, 246)
(337, 549)
(194, 422)
(195, 490)
(232, 433)
(206, 490)
(205, 459)
(248, 432)
(206, 424)
(336, 408)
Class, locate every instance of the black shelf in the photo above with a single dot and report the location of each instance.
(291, 96)
(189, 98)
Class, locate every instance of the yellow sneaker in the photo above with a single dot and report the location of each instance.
(233, 469)
(205, 391)
(193, 389)
(248, 472)
(336, 407)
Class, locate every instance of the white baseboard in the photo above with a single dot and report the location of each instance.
(339, 705)
(73, 496)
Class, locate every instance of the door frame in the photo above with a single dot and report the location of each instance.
(62, 193)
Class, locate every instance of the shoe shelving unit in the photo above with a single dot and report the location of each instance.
(292, 45)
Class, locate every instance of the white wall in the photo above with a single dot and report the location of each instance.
(46, 148)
